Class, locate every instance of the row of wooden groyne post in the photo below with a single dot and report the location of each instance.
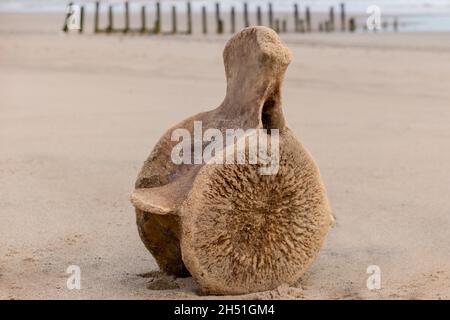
(302, 20)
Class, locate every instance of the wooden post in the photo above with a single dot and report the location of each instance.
(270, 16)
(395, 24)
(258, 16)
(157, 28)
(110, 19)
(217, 17)
(204, 21)
(143, 20)
(81, 20)
(284, 26)
(246, 22)
(233, 20)
(331, 20)
(301, 23)
(342, 17)
(277, 25)
(308, 20)
(296, 18)
(127, 17)
(174, 19)
(352, 25)
(97, 10)
(218, 20)
(65, 27)
(189, 18)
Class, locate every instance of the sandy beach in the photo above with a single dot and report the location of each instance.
(80, 113)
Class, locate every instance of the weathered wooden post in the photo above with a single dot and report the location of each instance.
(189, 18)
(110, 19)
(246, 22)
(352, 24)
(331, 20)
(296, 18)
(284, 26)
(232, 20)
(270, 16)
(342, 17)
(157, 27)
(301, 25)
(258, 16)
(308, 19)
(96, 20)
(277, 25)
(69, 7)
(143, 20)
(81, 20)
(174, 19)
(395, 24)
(127, 17)
(218, 19)
(204, 21)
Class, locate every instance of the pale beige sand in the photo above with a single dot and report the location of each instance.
(79, 114)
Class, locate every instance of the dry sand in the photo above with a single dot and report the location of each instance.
(79, 114)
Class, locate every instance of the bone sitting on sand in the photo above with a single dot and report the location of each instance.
(233, 230)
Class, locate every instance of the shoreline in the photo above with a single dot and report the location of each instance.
(408, 22)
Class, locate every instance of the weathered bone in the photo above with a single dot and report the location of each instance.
(234, 230)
